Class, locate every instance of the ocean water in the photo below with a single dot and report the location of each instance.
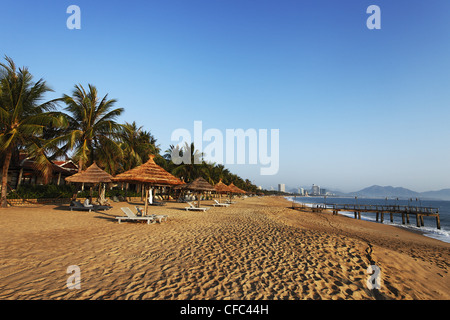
(429, 229)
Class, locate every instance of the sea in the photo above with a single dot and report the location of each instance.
(429, 229)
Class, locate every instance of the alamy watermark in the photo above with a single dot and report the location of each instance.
(374, 21)
(374, 281)
(74, 280)
(74, 20)
(236, 146)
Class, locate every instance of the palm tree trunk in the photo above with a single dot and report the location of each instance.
(5, 177)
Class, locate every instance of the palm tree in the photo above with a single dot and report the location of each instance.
(92, 128)
(220, 172)
(23, 119)
(191, 170)
(137, 144)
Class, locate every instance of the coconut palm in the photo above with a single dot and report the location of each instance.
(23, 119)
(137, 144)
(92, 128)
(191, 170)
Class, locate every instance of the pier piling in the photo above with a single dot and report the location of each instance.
(379, 210)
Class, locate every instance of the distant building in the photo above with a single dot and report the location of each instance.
(323, 192)
(281, 187)
(259, 188)
(315, 190)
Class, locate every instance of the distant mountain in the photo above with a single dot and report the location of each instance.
(443, 194)
(389, 191)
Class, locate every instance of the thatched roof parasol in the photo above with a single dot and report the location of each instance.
(93, 174)
(199, 185)
(235, 189)
(148, 173)
(221, 187)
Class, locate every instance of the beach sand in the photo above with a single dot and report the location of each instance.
(258, 248)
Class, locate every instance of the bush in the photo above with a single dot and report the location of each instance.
(28, 191)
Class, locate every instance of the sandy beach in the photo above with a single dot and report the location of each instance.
(258, 248)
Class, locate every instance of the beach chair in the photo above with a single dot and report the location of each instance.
(194, 208)
(217, 203)
(180, 199)
(99, 207)
(157, 203)
(131, 216)
(159, 217)
(76, 205)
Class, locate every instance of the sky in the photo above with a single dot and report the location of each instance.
(354, 107)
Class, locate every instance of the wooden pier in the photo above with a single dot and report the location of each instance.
(379, 210)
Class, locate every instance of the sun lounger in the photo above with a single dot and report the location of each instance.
(159, 217)
(217, 203)
(131, 216)
(192, 207)
(157, 203)
(99, 207)
(76, 205)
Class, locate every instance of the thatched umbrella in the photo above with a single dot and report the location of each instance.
(93, 175)
(199, 185)
(236, 189)
(221, 187)
(149, 174)
(241, 191)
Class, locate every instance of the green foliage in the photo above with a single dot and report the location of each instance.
(28, 191)
(92, 132)
(26, 121)
(87, 129)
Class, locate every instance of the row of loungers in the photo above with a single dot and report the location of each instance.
(130, 215)
(76, 205)
(215, 204)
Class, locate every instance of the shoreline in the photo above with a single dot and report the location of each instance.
(256, 249)
(432, 233)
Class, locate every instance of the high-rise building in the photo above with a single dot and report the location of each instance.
(281, 187)
(315, 190)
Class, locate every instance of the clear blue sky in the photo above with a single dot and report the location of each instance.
(355, 107)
